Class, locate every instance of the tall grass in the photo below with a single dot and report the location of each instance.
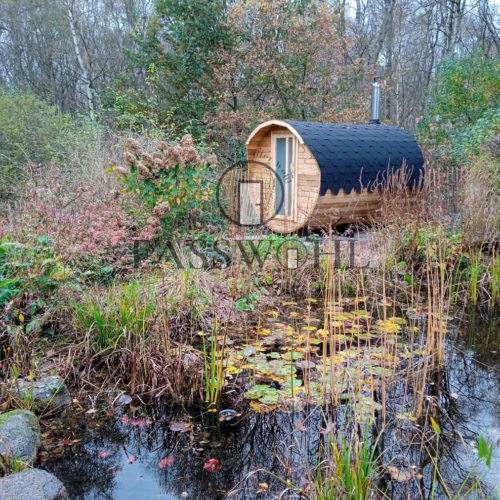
(495, 277)
(475, 269)
(120, 315)
(349, 470)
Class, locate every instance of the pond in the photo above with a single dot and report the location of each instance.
(151, 450)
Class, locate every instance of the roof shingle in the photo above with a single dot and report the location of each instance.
(348, 154)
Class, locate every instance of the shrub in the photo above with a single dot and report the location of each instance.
(87, 227)
(33, 134)
(173, 185)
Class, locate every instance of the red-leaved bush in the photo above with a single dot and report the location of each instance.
(86, 226)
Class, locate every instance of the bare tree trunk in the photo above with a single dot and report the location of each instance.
(384, 28)
(81, 61)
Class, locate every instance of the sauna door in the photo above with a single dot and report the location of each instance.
(283, 153)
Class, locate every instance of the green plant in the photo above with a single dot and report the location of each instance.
(465, 91)
(495, 276)
(174, 185)
(485, 453)
(474, 271)
(34, 134)
(119, 316)
(350, 473)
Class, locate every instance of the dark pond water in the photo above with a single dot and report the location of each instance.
(143, 458)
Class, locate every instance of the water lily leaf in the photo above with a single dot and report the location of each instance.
(377, 371)
(259, 391)
(281, 368)
(291, 382)
(248, 351)
(269, 399)
(288, 356)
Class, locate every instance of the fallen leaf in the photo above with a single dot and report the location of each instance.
(401, 476)
(166, 462)
(124, 399)
(126, 420)
(67, 442)
(212, 465)
(180, 426)
(134, 408)
(103, 454)
(300, 426)
(131, 459)
(91, 411)
(329, 428)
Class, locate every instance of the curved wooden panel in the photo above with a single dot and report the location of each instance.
(307, 177)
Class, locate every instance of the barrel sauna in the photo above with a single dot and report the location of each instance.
(328, 173)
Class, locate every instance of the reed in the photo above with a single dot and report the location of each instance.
(475, 269)
(495, 277)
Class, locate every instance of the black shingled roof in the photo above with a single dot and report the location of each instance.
(356, 156)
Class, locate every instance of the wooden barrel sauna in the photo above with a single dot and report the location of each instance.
(327, 173)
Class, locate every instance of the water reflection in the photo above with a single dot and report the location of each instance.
(464, 398)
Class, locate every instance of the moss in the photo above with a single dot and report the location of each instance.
(26, 415)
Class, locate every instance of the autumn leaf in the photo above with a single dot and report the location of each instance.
(329, 428)
(103, 454)
(212, 465)
(131, 459)
(166, 462)
(300, 426)
(400, 476)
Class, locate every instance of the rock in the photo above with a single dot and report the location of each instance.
(48, 392)
(32, 484)
(19, 435)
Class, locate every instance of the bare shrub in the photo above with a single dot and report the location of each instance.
(480, 204)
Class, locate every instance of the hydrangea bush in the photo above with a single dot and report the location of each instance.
(173, 188)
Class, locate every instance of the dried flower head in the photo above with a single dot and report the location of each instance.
(175, 155)
(129, 158)
(133, 146)
(158, 156)
(153, 221)
(211, 229)
(157, 165)
(162, 146)
(147, 160)
(161, 210)
(144, 172)
(210, 160)
(195, 212)
(190, 155)
(121, 171)
(187, 141)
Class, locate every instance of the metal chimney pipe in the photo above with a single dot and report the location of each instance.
(375, 112)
